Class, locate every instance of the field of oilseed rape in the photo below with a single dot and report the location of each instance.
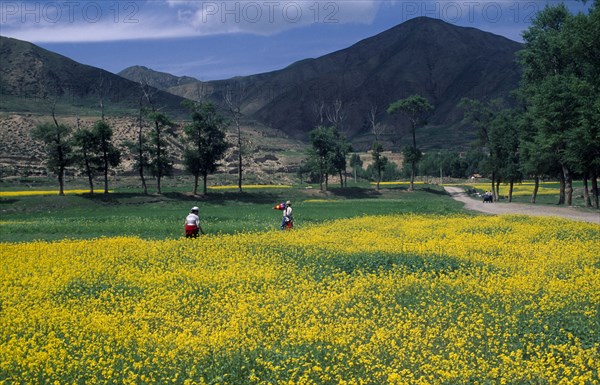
(372, 300)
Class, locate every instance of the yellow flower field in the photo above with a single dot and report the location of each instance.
(372, 300)
(398, 183)
(519, 189)
(249, 186)
(11, 194)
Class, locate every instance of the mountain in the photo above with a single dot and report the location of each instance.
(160, 80)
(31, 73)
(425, 56)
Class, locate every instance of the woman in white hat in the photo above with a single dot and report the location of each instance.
(192, 224)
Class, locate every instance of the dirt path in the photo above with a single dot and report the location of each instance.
(520, 208)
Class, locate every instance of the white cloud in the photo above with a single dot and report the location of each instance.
(113, 21)
(270, 17)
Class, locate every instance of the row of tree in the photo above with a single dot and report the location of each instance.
(552, 128)
(92, 151)
(329, 147)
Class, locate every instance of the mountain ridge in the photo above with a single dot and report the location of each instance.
(425, 56)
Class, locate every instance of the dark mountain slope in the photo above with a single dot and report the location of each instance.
(31, 72)
(423, 56)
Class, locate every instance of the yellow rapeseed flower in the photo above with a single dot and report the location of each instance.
(399, 299)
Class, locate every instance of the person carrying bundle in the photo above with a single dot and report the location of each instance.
(287, 221)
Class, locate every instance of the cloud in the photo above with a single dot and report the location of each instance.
(129, 20)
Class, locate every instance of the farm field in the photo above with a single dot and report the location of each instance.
(126, 212)
(369, 288)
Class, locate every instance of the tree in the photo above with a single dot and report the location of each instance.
(379, 161)
(86, 144)
(207, 144)
(160, 164)
(340, 152)
(417, 109)
(560, 81)
(376, 128)
(583, 42)
(324, 141)
(481, 115)
(141, 150)
(356, 163)
(336, 115)
(444, 163)
(57, 141)
(233, 100)
(504, 144)
(109, 154)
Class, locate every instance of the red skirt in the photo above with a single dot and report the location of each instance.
(191, 231)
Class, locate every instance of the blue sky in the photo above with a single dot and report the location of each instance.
(220, 39)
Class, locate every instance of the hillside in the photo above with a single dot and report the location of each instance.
(160, 80)
(30, 74)
(271, 157)
(440, 61)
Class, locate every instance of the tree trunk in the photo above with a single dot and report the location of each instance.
(536, 187)
(88, 171)
(413, 165)
(239, 156)
(412, 176)
(595, 189)
(105, 173)
(586, 191)
(141, 169)
(196, 176)
(61, 181)
(493, 189)
(321, 180)
(345, 176)
(510, 191)
(341, 179)
(204, 184)
(568, 186)
(141, 152)
(158, 159)
(498, 188)
(561, 192)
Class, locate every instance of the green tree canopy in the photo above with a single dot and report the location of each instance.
(206, 144)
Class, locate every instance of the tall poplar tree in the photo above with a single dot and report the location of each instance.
(160, 163)
(417, 109)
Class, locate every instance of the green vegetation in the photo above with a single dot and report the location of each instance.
(128, 212)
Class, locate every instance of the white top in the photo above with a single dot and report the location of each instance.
(287, 212)
(192, 219)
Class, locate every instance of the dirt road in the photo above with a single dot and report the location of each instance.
(520, 208)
